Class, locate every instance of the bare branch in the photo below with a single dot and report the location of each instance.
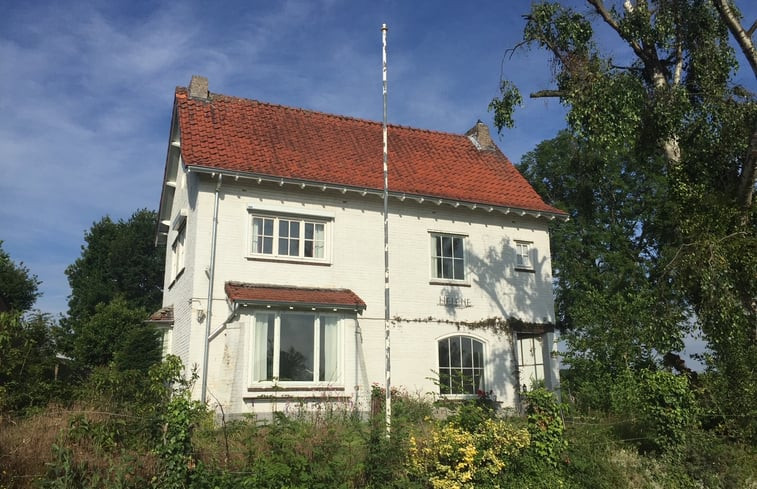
(548, 94)
(599, 6)
(751, 30)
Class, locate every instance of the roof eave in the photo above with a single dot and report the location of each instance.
(300, 305)
(363, 191)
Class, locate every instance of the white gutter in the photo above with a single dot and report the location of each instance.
(209, 314)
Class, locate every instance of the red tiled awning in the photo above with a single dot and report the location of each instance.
(162, 315)
(276, 295)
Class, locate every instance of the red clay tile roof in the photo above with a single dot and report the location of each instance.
(235, 134)
(162, 315)
(294, 296)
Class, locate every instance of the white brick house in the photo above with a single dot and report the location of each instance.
(273, 227)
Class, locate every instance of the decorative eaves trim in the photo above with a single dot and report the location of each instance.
(401, 196)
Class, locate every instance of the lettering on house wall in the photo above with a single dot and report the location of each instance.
(454, 301)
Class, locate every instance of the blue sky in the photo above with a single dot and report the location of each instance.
(86, 90)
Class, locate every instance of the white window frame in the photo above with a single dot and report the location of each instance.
(280, 214)
(531, 360)
(483, 368)
(256, 360)
(433, 235)
(178, 248)
(524, 255)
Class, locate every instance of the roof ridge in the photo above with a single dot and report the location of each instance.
(213, 95)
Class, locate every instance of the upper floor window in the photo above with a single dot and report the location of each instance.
(289, 237)
(177, 250)
(461, 365)
(523, 252)
(296, 348)
(448, 257)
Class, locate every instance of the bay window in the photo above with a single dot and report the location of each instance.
(296, 347)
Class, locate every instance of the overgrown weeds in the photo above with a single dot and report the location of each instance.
(160, 438)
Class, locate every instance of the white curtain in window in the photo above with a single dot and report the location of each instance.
(319, 241)
(329, 354)
(260, 347)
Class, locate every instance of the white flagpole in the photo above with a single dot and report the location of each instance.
(387, 344)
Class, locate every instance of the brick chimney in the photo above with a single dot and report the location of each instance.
(198, 87)
(479, 135)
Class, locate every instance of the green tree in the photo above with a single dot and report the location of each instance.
(118, 259)
(615, 313)
(27, 361)
(117, 333)
(672, 120)
(115, 284)
(18, 287)
(27, 348)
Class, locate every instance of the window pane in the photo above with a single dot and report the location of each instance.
(296, 347)
(459, 270)
(478, 354)
(283, 228)
(308, 230)
(328, 367)
(268, 245)
(454, 351)
(308, 248)
(458, 247)
(294, 229)
(438, 245)
(447, 268)
(263, 347)
(320, 240)
(446, 246)
(443, 353)
(445, 385)
(467, 352)
(268, 227)
(468, 382)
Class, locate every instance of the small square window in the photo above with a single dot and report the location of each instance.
(523, 251)
(448, 257)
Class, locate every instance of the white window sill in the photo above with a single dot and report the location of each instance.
(285, 389)
(525, 269)
(289, 259)
(441, 281)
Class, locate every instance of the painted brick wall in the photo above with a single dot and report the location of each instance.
(494, 287)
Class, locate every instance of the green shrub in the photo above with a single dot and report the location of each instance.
(450, 456)
(667, 409)
(545, 424)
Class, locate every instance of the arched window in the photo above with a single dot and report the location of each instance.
(461, 365)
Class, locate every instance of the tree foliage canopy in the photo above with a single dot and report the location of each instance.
(118, 259)
(18, 287)
(657, 169)
(115, 284)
